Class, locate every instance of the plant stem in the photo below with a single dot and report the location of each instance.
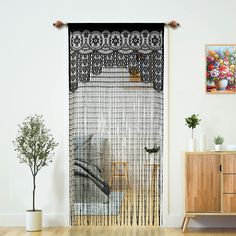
(34, 187)
(192, 133)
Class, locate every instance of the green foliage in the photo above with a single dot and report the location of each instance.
(192, 122)
(34, 145)
(218, 140)
(155, 149)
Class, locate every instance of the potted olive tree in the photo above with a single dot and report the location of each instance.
(192, 123)
(34, 146)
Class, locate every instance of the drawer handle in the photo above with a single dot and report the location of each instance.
(220, 168)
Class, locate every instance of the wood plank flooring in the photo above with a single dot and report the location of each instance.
(115, 231)
(138, 208)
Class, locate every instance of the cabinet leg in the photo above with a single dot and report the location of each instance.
(185, 224)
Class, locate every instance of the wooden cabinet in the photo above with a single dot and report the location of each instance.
(210, 184)
(203, 183)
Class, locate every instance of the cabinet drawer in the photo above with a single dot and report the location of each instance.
(229, 163)
(229, 183)
(229, 203)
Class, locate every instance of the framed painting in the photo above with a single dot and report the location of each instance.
(220, 68)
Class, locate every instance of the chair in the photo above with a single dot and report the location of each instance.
(115, 165)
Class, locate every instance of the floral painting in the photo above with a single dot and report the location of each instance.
(220, 68)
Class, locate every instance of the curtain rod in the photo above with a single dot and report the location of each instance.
(59, 24)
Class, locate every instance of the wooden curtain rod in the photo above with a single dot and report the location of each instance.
(173, 24)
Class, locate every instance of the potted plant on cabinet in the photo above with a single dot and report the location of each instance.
(192, 123)
(34, 146)
(218, 140)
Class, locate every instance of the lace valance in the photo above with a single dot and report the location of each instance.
(137, 47)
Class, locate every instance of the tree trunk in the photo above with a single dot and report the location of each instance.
(34, 187)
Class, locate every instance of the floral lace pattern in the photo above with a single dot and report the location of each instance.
(138, 51)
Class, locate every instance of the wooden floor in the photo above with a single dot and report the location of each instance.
(139, 208)
(115, 231)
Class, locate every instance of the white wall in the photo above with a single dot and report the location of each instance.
(34, 79)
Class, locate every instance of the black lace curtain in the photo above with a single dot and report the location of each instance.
(136, 47)
(114, 114)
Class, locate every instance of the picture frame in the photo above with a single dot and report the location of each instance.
(220, 68)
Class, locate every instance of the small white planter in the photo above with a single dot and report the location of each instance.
(153, 159)
(218, 147)
(192, 145)
(33, 220)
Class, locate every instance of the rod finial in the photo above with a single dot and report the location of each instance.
(173, 24)
(59, 24)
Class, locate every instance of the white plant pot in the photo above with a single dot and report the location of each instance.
(153, 158)
(33, 220)
(192, 145)
(218, 147)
